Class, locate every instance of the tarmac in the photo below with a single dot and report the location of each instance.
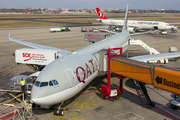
(89, 104)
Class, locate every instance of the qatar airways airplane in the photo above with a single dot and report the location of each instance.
(133, 25)
(68, 75)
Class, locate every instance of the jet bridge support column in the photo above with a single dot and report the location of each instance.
(109, 62)
(120, 84)
(106, 90)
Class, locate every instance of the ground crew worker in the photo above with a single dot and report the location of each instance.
(22, 83)
(164, 60)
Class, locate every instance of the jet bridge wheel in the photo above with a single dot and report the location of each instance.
(111, 99)
(59, 112)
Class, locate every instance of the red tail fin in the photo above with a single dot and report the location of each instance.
(100, 14)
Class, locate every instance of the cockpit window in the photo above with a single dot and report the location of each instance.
(167, 25)
(37, 83)
(50, 83)
(43, 84)
(55, 82)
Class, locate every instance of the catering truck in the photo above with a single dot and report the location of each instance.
(95, 37)
(36, 56)
(86, 29)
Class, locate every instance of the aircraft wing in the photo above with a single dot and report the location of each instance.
(145, 58)
(108, 31)
(37, 46)
(143, 33)
(130, 34)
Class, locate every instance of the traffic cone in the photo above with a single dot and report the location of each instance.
(4, 58)
(140, 93)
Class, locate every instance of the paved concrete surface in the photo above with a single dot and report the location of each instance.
(89, 104)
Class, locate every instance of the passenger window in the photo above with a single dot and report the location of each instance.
(55, 82)
(43, 84)
(50, 83)
(37, 83)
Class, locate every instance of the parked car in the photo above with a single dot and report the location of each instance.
(164, 32)
(175, 104)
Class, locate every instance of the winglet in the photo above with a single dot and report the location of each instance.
(100, 14)
(10, 36)
(125, 19)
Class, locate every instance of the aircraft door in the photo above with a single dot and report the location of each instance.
(71, 77)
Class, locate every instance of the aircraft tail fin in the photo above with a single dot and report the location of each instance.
(100, 14)
(125, 19)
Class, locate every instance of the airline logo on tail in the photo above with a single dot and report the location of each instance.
(101, 16)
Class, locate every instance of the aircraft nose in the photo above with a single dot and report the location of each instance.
(39, 97)
(35, 95)
(36, 101)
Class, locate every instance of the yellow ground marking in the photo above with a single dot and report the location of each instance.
(91, 97)
(71, 118)
(97, 91)
(79, 104)
(55, 116)
(74, 115)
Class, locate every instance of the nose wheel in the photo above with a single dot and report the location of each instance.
(59, 111)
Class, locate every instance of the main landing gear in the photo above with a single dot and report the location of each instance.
(58, 110)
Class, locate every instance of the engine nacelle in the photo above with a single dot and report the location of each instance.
(131, 29)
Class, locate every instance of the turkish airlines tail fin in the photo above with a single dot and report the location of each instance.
(100, 14)
(125, 19)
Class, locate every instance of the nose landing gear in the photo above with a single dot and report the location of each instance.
(58, 110)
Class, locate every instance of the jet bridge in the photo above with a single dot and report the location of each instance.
(142, 73)
(160, 77)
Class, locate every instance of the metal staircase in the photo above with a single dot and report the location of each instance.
(142, 93)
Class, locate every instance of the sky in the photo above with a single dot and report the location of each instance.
(92, 4)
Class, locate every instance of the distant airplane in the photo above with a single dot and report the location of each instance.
(133, 25)
(68, 75)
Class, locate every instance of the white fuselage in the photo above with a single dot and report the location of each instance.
(73, 72)
(138, 25)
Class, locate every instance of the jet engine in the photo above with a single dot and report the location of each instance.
(131, 29)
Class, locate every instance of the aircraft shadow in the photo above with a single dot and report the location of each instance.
(95, 85)
(26, 73)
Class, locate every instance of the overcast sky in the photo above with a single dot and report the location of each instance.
(92, 4)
